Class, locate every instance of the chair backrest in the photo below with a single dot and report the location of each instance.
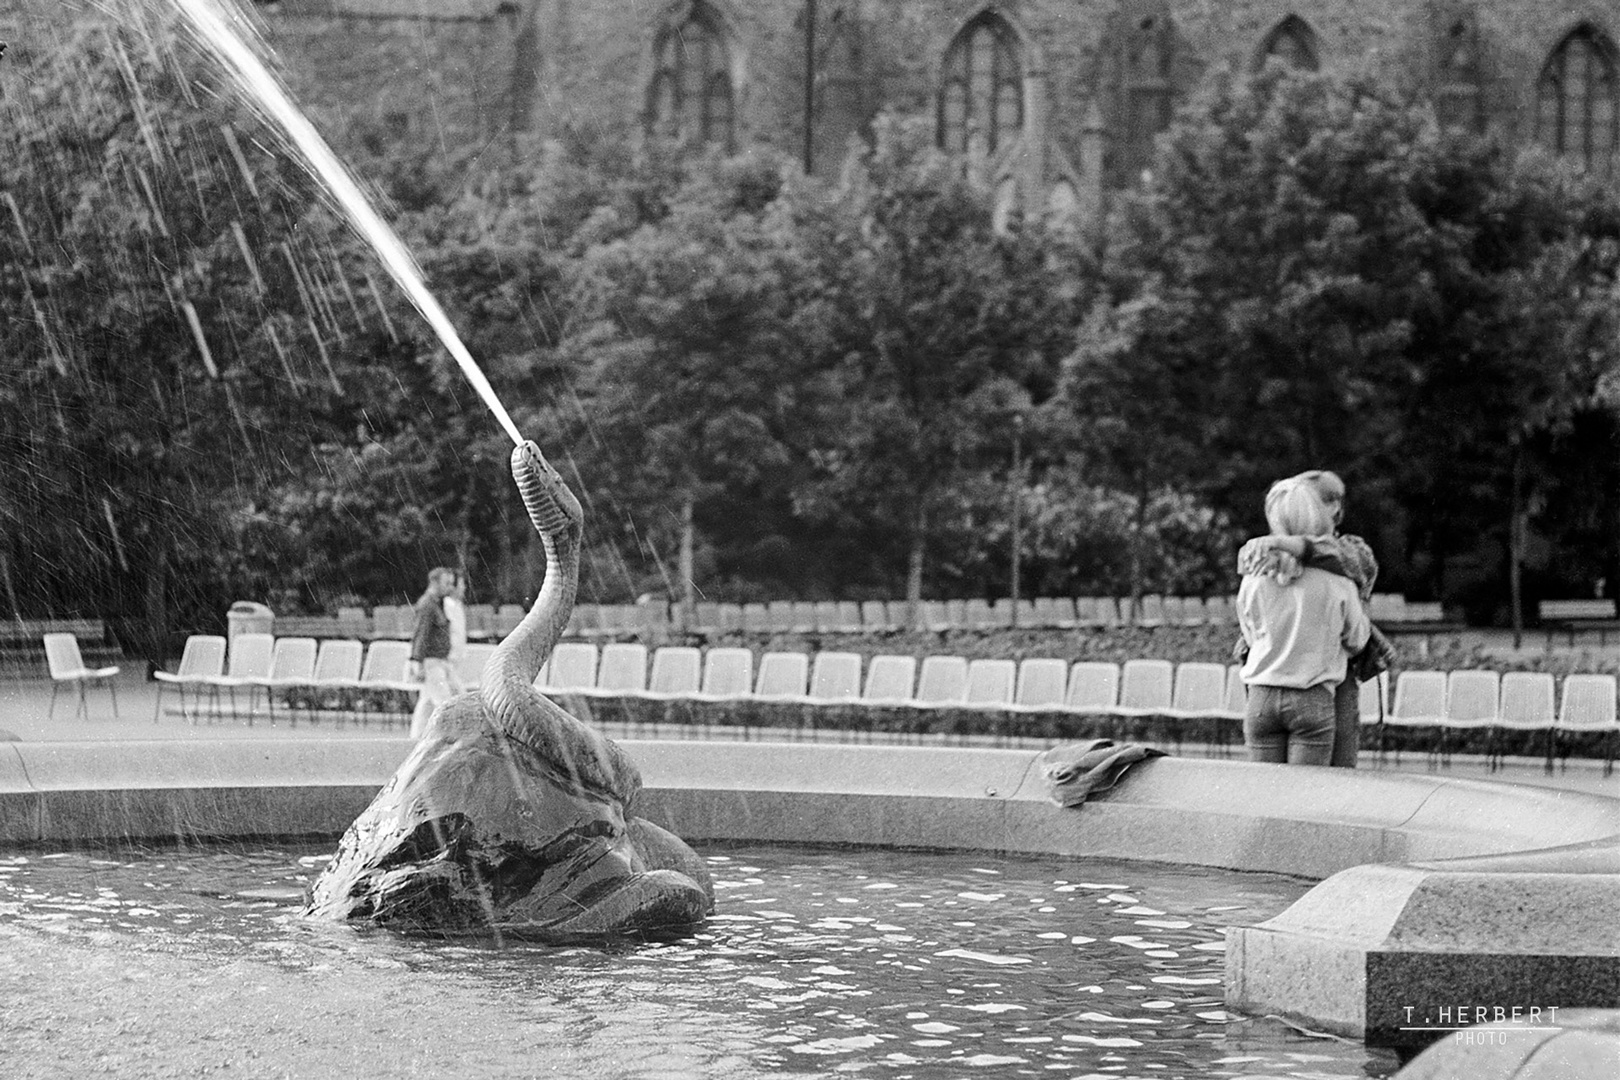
(293, 660)
(1473, 697)
(804, 616)
(1200, 687)
(1587, 703)
(782, 674)
(1042, 681)
(624, 667)
(976, 612)
(1096, 610)
(875, 615)
(729, 616)
(1420, 696)
(1093, 684)
(507, 616)
(827, 616)
(480, 619)
(890, 678)
(1373, 699)
(676, 669)
(756, 617)
(728, 672)
(250, 655)
(392, 620)
(1220, 610)
(943, 679)
(1055, 611)
(338, 661)
(705, 615)
(1150, 610)
(386, 662)
(572, 667)
(1528, 700)
(470, 668)
(782, 618)
(849, 615)
(1237, 693)
(990, 681)
(835, 676)
(203, 656)
(1146, 684)
(62, 655)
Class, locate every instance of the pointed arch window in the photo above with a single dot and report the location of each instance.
(1149, 92)
(1578, 102)
(981, 97)
(1458, 99)
(1293, 42)
(691, 98)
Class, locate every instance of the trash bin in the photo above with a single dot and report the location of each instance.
(247, 617)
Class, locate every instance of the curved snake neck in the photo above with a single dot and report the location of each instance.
(573, 750)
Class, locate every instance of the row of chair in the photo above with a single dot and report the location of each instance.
(1449, 701)
(486, 621)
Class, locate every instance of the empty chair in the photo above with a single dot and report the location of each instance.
(756, 618)
(976, 612)
(1096, 611)
(480, 621)
(507, 617)
(1472, 702)
(572, 667)
(1200, 689)
(1420, 701)
(729, 616)
(337, 672)
(1042, 682)
(956, 615)
(827, 619)
(781, 617)
(292, 667)
(1220, 610)
(875, 615)
(1149, 610)
(804, 617)
(1374, 699)
(202, 659)
(676, 670)
(1093, 686)
(1528, 704)
(1587, 706)
(623, 669)
(249, 657)
(991, 681)
(385, 672)
(849, 616)
(728, 672)
(836, 676)
(1055, 611)
(782, 675)
(706, 615)
(470, 666)
(890, 678)
(1237, 693)
(943, 681)
(67, 667)
(1145, 686)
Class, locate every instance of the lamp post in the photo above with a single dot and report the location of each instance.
(1017, 507)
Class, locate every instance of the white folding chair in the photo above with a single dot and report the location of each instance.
(728, 672)
(943, 681)
(835, 676)
(990, 682)
(1093, 686)
(1042, 681)
(384, 675)
(572, 667)
(1473, 699)
(1528, 705)
(890, 679)
(249, 657)
(67, 666)
(783, 675)
(1420, 701)
(1587, 706)
(1145, 687)
(623, 669)
(202, 658)
(292, 666)
(337, 674)
(676, 671)
(470, 666)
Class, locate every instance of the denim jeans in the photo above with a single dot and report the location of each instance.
(1285, 724)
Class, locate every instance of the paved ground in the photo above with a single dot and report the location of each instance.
(25, 710)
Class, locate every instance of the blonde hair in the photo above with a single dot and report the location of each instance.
(1294, 507)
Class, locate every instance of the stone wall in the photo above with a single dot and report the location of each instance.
(1092, 69)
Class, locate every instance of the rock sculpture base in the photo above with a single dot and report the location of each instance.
(478, 832)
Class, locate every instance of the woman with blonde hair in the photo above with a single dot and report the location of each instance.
(1300, 624)
(1337, 553)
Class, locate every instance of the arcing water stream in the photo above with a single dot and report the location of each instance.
(215, 28)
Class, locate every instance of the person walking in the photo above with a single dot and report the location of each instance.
(1337, 553)
(1300, 630)
(430, 649)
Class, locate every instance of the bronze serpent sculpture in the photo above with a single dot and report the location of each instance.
(510, 815)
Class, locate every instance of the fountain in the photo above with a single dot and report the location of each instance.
(1367, 939)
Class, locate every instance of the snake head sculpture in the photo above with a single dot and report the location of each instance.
(510, 815)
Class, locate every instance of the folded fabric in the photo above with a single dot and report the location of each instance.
(1074, 771)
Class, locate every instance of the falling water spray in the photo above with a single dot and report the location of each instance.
(216, 29)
